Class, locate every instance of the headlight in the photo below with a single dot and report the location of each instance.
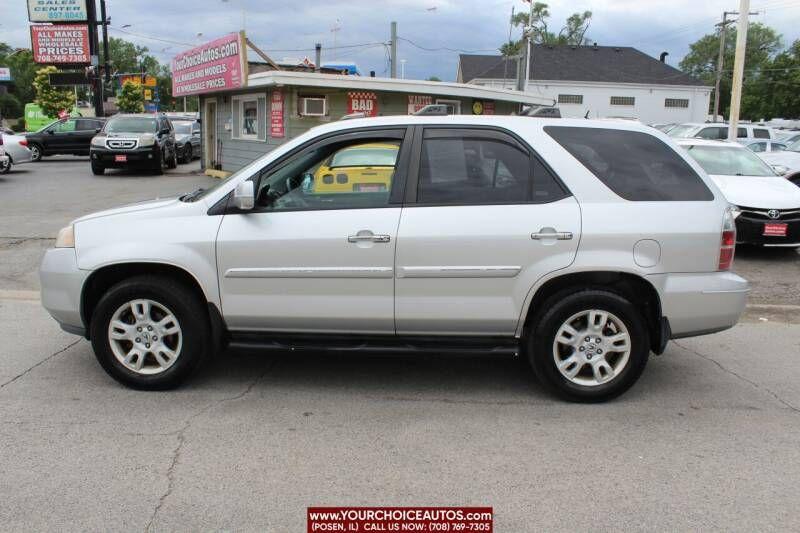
(98, 141)
(66, 237)
(147, 139)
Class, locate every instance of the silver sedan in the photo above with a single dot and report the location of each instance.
(16, 148)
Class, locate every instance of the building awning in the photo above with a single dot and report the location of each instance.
(274, 78)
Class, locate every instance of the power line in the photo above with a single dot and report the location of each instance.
(444, 48)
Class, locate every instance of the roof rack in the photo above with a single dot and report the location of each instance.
(543, 112)
(357, 114)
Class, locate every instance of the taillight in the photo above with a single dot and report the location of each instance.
(728, 241)
(23, 142)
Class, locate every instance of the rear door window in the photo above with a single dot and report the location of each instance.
(465, 167)
(713, 133)
(760, 133)
(635, 165)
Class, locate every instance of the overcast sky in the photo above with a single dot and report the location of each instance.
(277, 27)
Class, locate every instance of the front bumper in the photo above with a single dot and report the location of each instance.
(62, 282)
(149, 157)
(701, 303)
(750, 230)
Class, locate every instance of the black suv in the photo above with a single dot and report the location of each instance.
(145, 141)
(67, 136)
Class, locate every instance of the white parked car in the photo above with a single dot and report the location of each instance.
(581, 245)
(767, 205)
(16, 148)
(788, 158)
(719, 131)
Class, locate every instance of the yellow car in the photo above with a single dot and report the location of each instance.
(358, 168)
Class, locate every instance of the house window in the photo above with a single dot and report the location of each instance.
(453, 106)
(249, 117)
(313, 106)
(676, 102)
(623, 100)
(570, 98)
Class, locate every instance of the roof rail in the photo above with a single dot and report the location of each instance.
(543, 112)
(357, 114)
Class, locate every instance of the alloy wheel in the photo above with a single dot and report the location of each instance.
(592, 347)
(145, 336)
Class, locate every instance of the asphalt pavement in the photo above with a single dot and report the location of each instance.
(706, 440)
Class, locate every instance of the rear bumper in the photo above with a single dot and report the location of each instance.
(701, 303)
(62, 282)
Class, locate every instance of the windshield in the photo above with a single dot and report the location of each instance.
(183, 127)
(679, 131)
(729, 161)
(131, 125)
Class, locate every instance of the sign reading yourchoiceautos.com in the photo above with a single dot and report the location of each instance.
(57, 11)
(219, 65)
(60, 44)
(420, 519)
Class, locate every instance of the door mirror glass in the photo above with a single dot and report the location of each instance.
(244, 196)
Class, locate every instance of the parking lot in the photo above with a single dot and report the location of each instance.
(707, 439)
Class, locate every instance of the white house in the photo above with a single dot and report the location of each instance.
(601, 81)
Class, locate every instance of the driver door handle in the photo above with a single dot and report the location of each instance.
(558, 235)
(368, 238)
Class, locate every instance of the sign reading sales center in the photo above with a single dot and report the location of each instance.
(60, 44)
(219, 65)
(57, 11)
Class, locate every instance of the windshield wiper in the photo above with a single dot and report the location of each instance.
(191, 196)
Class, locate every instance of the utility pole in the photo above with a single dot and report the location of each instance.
(106, 63)
(528, 49)
(723, 27)
(393, 51)
(94, 53)
(738, 67)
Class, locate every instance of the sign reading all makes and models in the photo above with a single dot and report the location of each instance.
(60, 44)
(57, 10)
(219, 65)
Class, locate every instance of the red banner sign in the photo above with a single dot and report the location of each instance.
(417, 102)
(421, 519)
(276, 124)
(219, 65)
(362, 102)
(61, 44)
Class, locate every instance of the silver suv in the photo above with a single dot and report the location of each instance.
(581, 245)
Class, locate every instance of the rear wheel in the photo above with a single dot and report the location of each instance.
(150, 332)
(36, 152)
(5, 166)
(98, 170)
(588, 346)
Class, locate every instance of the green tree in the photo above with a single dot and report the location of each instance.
(127, 58)
(131, 98)
(763, 43)
(433, 78)
(10, 106)
(23, 71)
(572, 33)
(51, 99)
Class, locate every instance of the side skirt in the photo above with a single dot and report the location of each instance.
(377, 344)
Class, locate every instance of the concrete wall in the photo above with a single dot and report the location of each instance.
(649, 104)
(236, 153)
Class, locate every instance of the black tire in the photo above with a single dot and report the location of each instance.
(98, 170)
(159, 168)
(5, 167)
(190, 312)
(36, 152)
(557, 310)
(172, 162)
(188, 154)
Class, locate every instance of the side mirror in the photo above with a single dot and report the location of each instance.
(244, 196)
(97, 130)
(50, 132)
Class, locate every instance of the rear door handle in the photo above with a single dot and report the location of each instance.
(368, 238)
(558, 235)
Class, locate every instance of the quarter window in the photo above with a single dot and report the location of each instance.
(760, 133)
(714, 132)
(635, 165)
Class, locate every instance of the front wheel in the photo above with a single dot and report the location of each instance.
(172, 162)
(589, 346)
(5, 166)
(36, 152)
(98, 170)
(150, 332)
